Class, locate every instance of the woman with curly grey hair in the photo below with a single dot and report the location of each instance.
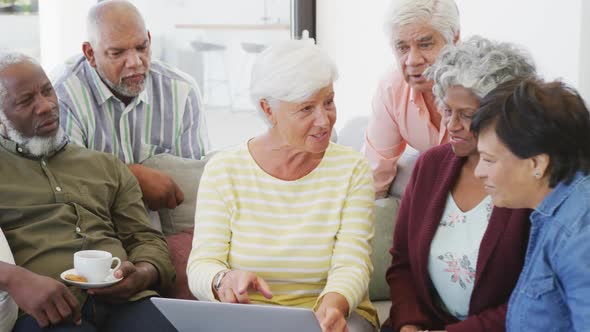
(456, 257)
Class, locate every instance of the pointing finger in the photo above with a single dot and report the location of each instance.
(263, 288)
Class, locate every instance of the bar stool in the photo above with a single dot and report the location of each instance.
(210, 52)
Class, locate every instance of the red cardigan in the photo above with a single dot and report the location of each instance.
(500, 258)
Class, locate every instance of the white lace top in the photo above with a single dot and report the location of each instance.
(453, 254)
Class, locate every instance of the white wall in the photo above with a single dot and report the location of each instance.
(352, 32)
(550, 30)
(62, 30)
(20, 33)
(63, 22)
(556, 33)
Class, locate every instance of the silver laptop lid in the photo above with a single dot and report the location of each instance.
(204, 316)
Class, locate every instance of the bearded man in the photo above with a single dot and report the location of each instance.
(116, 99)
(58, 198)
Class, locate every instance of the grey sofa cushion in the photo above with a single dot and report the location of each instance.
(405, 166)
(383, 308)
(187, 174)
(385, 215)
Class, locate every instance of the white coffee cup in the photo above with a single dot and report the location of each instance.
(95, 265)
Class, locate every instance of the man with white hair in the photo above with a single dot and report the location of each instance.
(404, 108)
(116, 99)
(58, 198)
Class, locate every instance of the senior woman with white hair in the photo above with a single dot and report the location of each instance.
(286, 218)
(456, 257)
(404, 108)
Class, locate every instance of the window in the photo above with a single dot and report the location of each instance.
(19, 6)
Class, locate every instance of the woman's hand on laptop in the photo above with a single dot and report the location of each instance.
(332, 312)
(235, 285)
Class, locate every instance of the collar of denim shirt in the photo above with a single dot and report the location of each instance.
(558, 195)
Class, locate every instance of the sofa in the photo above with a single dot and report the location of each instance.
(177, 224)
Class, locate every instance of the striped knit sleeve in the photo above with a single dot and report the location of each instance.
(351, 266)
(211, 241)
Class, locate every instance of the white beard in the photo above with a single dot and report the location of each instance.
(36, 146)
(121, 88)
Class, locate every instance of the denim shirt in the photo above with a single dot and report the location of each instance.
(553, 290)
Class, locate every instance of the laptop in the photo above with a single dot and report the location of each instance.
(187, 315)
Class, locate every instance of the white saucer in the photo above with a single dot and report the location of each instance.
(110, 280)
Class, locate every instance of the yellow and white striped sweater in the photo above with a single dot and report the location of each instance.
(305, 237)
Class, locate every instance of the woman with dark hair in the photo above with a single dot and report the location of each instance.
(456, 257)
(534, 145)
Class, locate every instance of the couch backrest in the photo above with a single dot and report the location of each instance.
(352, 134)
(187, 174)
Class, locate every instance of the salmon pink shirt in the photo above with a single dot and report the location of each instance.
(399, 117)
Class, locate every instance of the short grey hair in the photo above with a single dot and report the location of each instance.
(442, 15)
(480, 65)
(7, 59)
(97, 13)
(290, 71)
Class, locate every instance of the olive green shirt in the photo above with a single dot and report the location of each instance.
(75, 199)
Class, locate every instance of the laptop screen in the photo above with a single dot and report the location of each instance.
(187, 315)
